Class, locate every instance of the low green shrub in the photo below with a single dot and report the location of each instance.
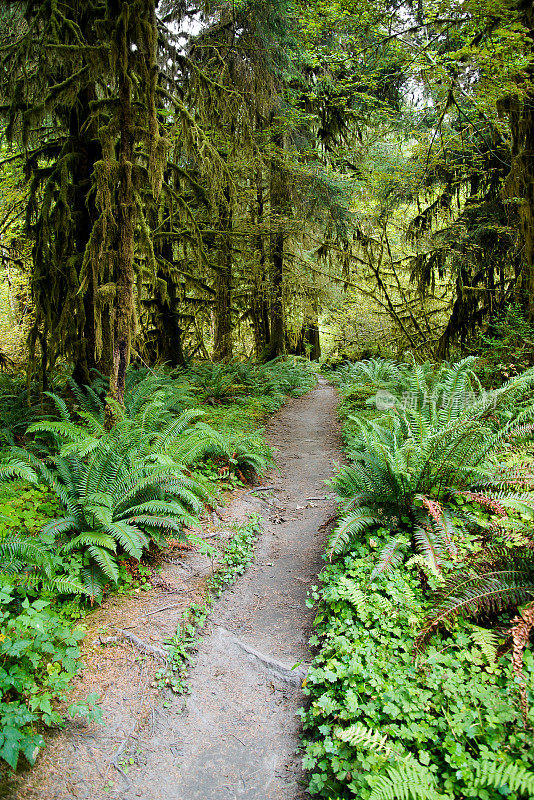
(383, 723)
(506, 348)
(409, 699)
(39, 656)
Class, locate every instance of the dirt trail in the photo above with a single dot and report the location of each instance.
(236, 734)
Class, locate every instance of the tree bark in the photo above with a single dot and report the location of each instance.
(126, 216)
(222, 349)
(520, 182)
(88, 152)
(280, 203)
(259, 306)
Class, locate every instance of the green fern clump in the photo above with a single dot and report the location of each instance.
(18, 408)
(496, 579)
(219, 383)
(380, 373)
(388, 718)
(293, 375)
(409, 465)
(119, 490)
(277, 379)
(148, 395)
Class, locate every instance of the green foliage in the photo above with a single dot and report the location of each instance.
(496, 579)
(39, 655)
(505, 348)
(381, 724)
(387, 717)
(148, 393)
(27, 561)
(119, 491)
(272, 381)
(438, 439)
(17, 409)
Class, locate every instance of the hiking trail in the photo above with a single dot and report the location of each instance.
(236, 734)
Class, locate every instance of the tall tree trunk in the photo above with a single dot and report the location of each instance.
(171, 331)
(222, 350)
(520, 182)
(88, 152)
(311, 338)
(279, 212)
(168, 344)
(259, 305)
(126, 216)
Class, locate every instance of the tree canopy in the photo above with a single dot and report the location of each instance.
(227, 180)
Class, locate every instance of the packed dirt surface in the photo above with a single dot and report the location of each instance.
(236, 734)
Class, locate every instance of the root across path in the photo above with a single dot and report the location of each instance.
(235, 735)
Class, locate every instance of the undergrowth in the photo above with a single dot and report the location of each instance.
(77, 501)
(423, 682)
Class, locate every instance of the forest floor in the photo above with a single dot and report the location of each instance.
(235, 735)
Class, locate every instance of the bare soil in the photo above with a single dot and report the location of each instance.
(236, 734)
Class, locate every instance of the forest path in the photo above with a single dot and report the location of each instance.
(236, 734)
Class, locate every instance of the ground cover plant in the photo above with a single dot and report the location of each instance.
(78, 498)
(236, 557)
(423, 682)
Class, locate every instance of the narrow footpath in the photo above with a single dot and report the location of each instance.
(236, 734)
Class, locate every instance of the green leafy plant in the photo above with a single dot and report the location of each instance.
(380, 724)
(119, 490)
(39, 656)
(410, 464)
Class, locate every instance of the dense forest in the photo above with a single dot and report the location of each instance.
(202, 205)
(179, 182)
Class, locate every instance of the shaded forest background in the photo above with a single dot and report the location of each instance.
(245, 179)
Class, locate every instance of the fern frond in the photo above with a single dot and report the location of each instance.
(106, 561)
(132, 540)
(66, 586)
(361, 737)
(351, 591)
(90, 538)
(172, 524)
(14, 467)
(349, 527)
(407, 782)
(390, 556)
(60, 404)
(59, 526)
(25, 551)
(498, 580)
(510, 776)
(170, 432)
(430, 546)
(488, 642)
(94, 581)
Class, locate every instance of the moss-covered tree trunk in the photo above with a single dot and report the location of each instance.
(126, 215)
(519, 186)
(169, 331)
(88, 152)
(222, 348)
(280, 205)
(166, 336)
(259, 305)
